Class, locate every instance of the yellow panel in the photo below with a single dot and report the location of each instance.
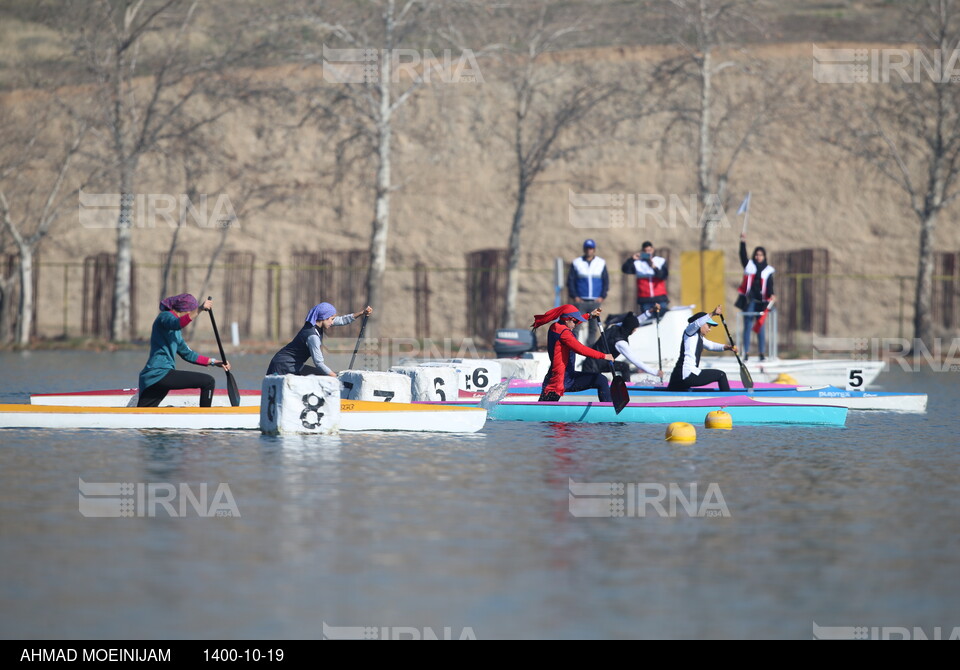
(707, 294)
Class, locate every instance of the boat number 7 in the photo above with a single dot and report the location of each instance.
(311, 405)
(854, 378)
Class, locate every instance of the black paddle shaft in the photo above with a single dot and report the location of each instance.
(659, 354)
(359, 339)
(618, 387)
(232, 391)
(745, 377)
(216, 332)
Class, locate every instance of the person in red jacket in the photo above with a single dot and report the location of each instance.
(563, 346)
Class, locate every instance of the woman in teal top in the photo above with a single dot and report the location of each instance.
(160, 375)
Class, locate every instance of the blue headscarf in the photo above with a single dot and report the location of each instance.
(321, 312)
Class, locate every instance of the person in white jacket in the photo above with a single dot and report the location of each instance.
(687, 373)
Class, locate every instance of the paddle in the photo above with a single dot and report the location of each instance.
(232, 389)
(359, 338)
(745, 377)
(618, 388)
(659, 355)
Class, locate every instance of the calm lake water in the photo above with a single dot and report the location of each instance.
(854, 526)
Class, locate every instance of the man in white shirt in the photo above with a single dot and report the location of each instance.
(687, 373)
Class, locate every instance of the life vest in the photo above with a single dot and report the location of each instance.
(589, 277)
(749, 275)
(649, 286)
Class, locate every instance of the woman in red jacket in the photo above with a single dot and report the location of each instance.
(563, 346)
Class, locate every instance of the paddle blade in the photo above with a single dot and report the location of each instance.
(232, 390)
(619, 393)
(745, 377)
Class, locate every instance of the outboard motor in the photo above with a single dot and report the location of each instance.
(514, 342)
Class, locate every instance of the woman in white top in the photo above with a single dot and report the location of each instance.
(687, 373)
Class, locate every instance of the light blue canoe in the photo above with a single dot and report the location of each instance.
(742, 410)
(767, 393)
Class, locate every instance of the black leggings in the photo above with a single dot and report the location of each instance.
(581, 382)
(705, 377)
(178, 379)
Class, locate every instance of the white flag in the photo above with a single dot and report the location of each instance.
(745, 205)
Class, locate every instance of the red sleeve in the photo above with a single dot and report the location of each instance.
(184, 320)
(568, 339)
(203, 360)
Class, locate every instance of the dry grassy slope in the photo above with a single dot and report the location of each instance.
(457, 197)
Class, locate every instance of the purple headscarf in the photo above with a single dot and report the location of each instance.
(321, 312)
(179, 303)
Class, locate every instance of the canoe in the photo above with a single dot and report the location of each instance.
(768, 393)
(355, 415)
(742, 410)
(127, 398)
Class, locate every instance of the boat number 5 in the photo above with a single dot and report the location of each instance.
(311, 406)
(854, 379)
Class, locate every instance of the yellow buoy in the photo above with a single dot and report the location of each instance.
(680, 431)
(719, 420)
(784, 378)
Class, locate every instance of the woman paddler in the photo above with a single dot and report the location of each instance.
(563, 346)
(160, 375)
(290, 360)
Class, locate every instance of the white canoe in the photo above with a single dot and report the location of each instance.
(128, 398)
(355, 415)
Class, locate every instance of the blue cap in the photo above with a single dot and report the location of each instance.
(589, 244)
(574, 315)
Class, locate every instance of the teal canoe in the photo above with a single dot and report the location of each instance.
(742, 410)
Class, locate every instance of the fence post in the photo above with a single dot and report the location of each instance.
(66, 284)
(900, 328)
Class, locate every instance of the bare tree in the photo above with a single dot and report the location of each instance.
(909, 132)
(720, 122)
(365, 92)
(34, 179)
(549, 107)
(148, 83)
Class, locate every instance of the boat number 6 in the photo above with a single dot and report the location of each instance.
(311, 406)
(480, 379)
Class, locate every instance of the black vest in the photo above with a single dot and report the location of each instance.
(291, 358)
(676, 377)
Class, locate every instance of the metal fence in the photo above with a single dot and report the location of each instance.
(269, 299)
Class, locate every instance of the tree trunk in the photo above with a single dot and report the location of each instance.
(381, 219)
(922, 322)
(120, 326)
(25, 316)
(708, 233)
(513, 264)
(6, 283)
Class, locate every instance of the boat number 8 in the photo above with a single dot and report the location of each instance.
(311, 406)
(272, 403)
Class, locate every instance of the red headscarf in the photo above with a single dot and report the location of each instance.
(556, 313)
